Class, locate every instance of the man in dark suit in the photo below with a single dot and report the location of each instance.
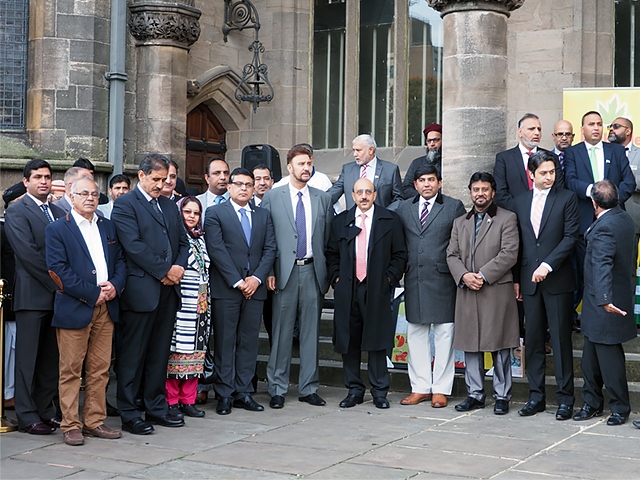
(36, 346)
(242, 243)
(562, 138)
(301, 218)
(545, 280)
(366, 258)
(384, 175)
(607, 310)
(510, 170)
(156, 247)
(430, 292)
(86, 262)
(589, 162)
(433, 140)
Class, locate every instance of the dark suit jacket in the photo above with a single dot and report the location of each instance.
(556, 240)
(232, 258)
(579, 176)
(609, 277)
(64, 204)
(511, 177)
(387, 259)
(70, 265)
(386, 180)
(408, 190)
(8, 272)
(144, 240)
(25, 223)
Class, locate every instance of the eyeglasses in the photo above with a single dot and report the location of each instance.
(85, 194)
(360, 192)
(563, 134)
(433, 140)
(186, 211)
(247, 185)
(616, 126)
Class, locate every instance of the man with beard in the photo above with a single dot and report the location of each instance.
(217, 178)
(433, 140)
(264, 181)
(483, 249)
(563, 138)
(510, 170)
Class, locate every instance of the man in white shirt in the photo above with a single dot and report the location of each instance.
(217, 178)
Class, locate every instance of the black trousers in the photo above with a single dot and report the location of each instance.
(544, 310)
(36, 367)
(605, 365)
(377, 363)
(144, 345)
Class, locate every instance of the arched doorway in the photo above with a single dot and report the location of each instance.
(205, 139)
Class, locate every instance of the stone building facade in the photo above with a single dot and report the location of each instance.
(177, 78)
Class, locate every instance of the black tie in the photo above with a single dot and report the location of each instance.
(156, 209)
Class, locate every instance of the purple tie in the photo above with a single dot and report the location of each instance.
(301, 229)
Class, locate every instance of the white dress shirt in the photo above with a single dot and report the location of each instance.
(306, 201)
(91, 234)
(545, 195)
(371, 170)
(526, 156)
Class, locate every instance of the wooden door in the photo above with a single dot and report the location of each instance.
(205, 140)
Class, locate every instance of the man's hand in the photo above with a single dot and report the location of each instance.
(109, 289)
(271, 283)
(249, 286)
(473, 281)
(516, 289)
(175, 274)
(540, 274)
(611, 308)
(102, 298)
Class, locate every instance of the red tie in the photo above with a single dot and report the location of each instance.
(361, 257)
(363, 174)
(526, 172)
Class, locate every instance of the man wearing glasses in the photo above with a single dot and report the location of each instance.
(563, 138)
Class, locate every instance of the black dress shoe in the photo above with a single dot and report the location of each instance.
(351, 400)
(248, 403)
(277, 401)
(165, 420)
(313, 399)
(190, 410)
(617, 419)
(501, 407)
(587, 412)
(636, 423)
(469, 404)
(54, 422)
(381, 402)
(531, 408)
(39, 428)
(564, 412)
(174, 411)
(137, 426)
(112, 411)
(224, 406)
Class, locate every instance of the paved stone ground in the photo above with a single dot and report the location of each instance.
(301, 441)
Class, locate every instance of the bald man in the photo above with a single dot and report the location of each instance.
(366, 258)
(562, 138)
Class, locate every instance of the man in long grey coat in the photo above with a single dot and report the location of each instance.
(430, 292)
(483, 249)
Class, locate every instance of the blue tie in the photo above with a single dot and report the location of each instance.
(45, 209)
(219, 200)
(301, 229)
(246, 226)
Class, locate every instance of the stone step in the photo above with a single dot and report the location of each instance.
(331, 375)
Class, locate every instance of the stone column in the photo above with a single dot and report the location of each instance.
(164, 31)
(474, 87)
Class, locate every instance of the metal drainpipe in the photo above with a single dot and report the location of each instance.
(117, 78)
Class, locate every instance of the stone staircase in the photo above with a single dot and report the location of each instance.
(331, 367)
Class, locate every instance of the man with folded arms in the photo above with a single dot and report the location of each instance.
(86, 262)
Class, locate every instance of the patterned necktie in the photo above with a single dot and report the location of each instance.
(363, 174)
(361, 257)
(536, 213)
(246, 225)
(479, 218)
(594, 164)
(45, 209)
(526, 172)
(561, 158)
(424, 214)
(301, 229)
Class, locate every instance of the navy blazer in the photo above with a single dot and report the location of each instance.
(232, 258)
(144, 239)
(71, 267)
(579, 175)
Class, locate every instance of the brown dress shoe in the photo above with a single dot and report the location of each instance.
(438, 400)
(102, 431)
(202, 397)
(74, 437)
(415, 398)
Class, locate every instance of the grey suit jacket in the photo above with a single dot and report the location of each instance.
(278, 202)
(387, 182)
(64, 204)
(633, 204)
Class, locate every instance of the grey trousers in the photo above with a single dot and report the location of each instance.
(474, 374)
(300, 298)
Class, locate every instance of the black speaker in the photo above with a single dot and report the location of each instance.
(253, 155)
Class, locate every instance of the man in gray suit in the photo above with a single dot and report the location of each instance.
(430, 292)
(384, 175)
(70, 176)
(301, 219)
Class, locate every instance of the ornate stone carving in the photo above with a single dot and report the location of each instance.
(153, 23)
(193, 88)
(501, 6)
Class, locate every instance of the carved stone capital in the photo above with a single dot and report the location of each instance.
(160, 23)
(500, 6)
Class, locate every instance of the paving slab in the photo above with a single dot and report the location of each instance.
(81, 458)
(11, 468)
(587, 465)
(15, 442)
(349, 471)
(193, 470)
